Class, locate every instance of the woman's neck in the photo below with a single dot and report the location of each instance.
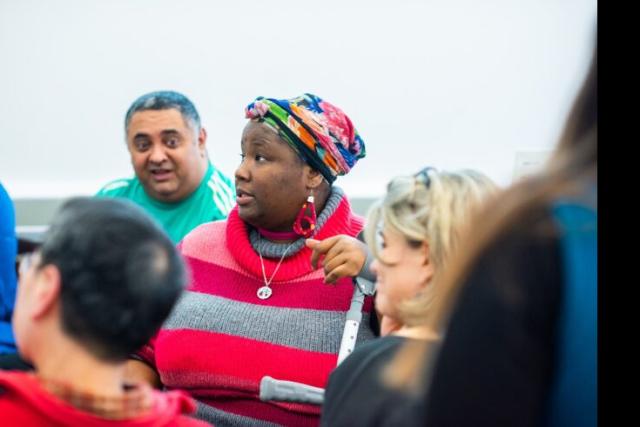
(275, 248)
(278, 236)
(416, 332)
(288, 235)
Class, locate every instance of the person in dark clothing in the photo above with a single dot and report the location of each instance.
(411, 234)
(520, 315)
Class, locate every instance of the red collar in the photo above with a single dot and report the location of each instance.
(343, 221)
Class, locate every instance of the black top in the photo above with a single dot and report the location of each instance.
(497, 357)
(355, 394)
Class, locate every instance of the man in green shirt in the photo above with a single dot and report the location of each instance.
(174, 180)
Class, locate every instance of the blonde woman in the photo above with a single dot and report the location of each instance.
(411, 233)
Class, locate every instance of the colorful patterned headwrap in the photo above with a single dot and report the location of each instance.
(318, 131)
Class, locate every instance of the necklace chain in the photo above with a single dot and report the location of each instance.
(265, 291)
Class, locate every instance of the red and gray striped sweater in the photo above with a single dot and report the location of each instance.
(221, 339)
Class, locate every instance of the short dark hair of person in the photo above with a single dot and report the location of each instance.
(121, 274)
(164, 100)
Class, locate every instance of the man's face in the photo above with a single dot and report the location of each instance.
(167, 153)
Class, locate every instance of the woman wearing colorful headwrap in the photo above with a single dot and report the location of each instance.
(255, 305)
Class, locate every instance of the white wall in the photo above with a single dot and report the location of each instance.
(450, 83)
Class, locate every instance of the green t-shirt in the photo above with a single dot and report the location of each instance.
(212, 200)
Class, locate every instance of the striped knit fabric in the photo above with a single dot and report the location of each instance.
(221, 339)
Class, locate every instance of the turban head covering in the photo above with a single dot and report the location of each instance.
(321, 133)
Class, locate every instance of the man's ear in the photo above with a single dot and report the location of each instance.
(46, 291)
(202, 141)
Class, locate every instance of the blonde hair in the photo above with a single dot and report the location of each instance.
(430, 207)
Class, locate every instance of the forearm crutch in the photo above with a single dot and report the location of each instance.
(290, 391)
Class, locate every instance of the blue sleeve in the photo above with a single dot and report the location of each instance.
(8, 251)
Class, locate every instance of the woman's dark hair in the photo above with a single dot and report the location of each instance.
(120, 274)
(572, 167)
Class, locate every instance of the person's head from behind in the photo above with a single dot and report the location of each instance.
(104, 279)
(167, 145)
(413, 230)
(291, 148)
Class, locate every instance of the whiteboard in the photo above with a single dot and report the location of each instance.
(449, 83)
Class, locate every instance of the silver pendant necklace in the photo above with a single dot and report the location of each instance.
(265, 291)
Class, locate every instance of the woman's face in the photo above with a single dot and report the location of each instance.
(402, 270)
(271, 181)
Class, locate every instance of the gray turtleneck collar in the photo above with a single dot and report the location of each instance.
(270, 249)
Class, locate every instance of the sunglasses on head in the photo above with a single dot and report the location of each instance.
(423, 176)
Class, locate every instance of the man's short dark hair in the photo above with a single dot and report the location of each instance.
(121, 275)
(164, 100)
